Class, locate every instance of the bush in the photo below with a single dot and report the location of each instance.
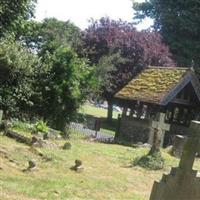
(17, 74)
(153, 161)
(41, 126)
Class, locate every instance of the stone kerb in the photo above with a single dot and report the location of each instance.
(182, 183)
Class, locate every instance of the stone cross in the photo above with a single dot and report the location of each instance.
(161, 123)
(159, 128)
(182, 183)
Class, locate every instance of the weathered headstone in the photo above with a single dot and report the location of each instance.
(1, 128)
(31, 166)
(158, 132)
(1, 115)
(178, 145)
(67, 146)
(182, 183)
(78, 166)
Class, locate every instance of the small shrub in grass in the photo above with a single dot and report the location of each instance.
(41, 126)
(153, 161)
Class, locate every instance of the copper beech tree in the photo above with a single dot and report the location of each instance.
(120, 51)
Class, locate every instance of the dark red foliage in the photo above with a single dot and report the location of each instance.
(140, 49)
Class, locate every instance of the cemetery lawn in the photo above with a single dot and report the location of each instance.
(93, 111)
(107, 172)
(89, 109)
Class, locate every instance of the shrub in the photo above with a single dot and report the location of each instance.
(153, 161)
(41, 126)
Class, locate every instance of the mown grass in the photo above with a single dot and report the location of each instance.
(107, 175)
(89, 109)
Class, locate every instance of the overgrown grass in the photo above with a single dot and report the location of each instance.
(107, 175)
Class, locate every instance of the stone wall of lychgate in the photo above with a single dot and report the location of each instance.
(138, 130)
(134, 130)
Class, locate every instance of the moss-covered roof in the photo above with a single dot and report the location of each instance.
(152, 84)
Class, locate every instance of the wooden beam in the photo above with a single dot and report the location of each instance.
(182, 101)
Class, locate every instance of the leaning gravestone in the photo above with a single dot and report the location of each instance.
(182, 183)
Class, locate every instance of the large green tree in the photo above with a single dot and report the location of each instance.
(64, 80)
(13, 13)
(17, 72)
(65, 86)
(179, 24)
(49, 35)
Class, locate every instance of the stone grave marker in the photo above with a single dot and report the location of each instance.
(94, 124)
(78, 166)
(178, 145)
(158, 133)
(182, 183)
(1, 115)
(31, 166)
(67, 146)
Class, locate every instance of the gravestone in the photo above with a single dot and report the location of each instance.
(178, 145)
(67, 146)
(94, 124)
(1, 115)
(31, 166)
(182, 183)
(158, 130)
(1, 126)
(78, 166)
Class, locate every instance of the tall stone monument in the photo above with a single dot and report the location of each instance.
(182, 183)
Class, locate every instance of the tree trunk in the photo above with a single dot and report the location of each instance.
(110, 111)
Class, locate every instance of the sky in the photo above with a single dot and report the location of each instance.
(81, 11)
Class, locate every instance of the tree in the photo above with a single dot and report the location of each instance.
(128, 51)
(17, 70)
(64, 80)
(13, 13)
(179, 24)
(65, 86)
(49, 35)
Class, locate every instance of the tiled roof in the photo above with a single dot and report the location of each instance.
(152, 84)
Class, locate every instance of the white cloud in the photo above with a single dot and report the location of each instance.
(80, 11)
